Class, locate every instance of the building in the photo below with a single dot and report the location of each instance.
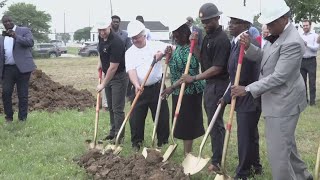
(158, 30)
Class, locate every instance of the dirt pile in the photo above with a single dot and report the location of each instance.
(110, 166)
(47, 95)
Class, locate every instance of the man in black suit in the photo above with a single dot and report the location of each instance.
(16, 65)
(248, 109)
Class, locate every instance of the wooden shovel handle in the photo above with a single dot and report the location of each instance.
(233, 104)
(97, 112)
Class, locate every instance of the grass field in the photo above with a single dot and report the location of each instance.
(44, 146)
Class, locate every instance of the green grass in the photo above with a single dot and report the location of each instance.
(73, 50)
(44, 146)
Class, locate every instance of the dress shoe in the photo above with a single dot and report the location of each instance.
(109, 137)
(240, 178)
(214, 168)
(160, 144)
(9, 120)
(136, 146)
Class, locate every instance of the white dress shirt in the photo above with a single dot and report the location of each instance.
(8, 48)
(312, 46)
(140, 59)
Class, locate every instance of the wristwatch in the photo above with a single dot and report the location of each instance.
(247, 89)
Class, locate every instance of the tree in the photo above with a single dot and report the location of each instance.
(27, 15)
(82, 34)
(3, 3)
(65, 37)
(305, 10)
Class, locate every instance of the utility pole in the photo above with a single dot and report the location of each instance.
(111, 8)
(244, 2)
(89, 19)
(64, 27)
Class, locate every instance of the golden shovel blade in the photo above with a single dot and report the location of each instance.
(91, 145)
(145, 151)
(223, 177)
(192, 165)
(169, 152)
(115, 149)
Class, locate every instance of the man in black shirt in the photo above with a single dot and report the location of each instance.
(112, 61)
(214, 57)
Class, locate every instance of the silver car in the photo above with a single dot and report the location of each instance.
(89, 50)
(61, 45)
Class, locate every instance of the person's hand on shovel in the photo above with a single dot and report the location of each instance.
(186, 78)
(100, 87)
(245, 40)
(237, 91)
(166, 92)
(222, 102)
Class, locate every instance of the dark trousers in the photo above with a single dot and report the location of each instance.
(149, 99)
(115, 93)
(212, 94)
(309, 69)
(130, 91)
(248, 143)
(12, 76)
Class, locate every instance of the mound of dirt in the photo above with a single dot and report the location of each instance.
(110, 166)
(47, 95)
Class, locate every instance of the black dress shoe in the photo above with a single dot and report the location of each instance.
(9, 120)
(160, 144)
(136, 146)
(109, 137)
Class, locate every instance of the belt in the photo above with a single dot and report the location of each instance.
(313, 57)
(153, 85)
(9, 65)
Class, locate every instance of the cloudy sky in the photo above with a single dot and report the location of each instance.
(82, 13)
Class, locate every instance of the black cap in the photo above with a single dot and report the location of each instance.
(208, 11)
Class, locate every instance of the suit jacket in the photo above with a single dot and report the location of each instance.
(281, 85)
(249, 74)
(200, 38)
(22, 51)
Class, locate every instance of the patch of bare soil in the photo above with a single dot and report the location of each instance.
(110, 166)
(47, 95)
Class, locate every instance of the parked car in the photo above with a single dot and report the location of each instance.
(89, 50)
(46, 50)
(61, 45)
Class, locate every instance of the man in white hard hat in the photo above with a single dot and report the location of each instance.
(248, 109)
(281, 88)
(112, 53)
(138, 61)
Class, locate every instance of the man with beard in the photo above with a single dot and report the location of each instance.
(214, 57)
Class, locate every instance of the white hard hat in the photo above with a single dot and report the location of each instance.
(272, 11)
(242, 13)
(176, 24)
(134, 28)
(103, 24)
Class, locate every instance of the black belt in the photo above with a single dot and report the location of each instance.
(9, 65)
(313, 57)
(153, 85)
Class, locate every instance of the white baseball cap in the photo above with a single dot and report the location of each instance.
(134, 28)
(174, 25)
(272, 11)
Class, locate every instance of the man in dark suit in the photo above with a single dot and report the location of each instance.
(16, 65)
(194, 28)
(248, 109)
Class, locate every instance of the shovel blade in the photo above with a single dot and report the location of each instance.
(144, 152)
(222, 177)
(192, 165)
(115, 149)
(169, 152)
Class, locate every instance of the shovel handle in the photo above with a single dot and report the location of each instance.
(97, 112)
(182, 88)
(213, 120)
(317, 167)
(168, 57)
(135, 101)
(233, 104)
